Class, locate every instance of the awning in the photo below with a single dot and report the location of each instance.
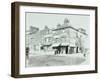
(65, 44)
(56, 44)
(72, 45)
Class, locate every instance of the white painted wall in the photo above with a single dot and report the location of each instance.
(5, 40)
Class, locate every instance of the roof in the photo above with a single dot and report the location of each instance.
(68, 28)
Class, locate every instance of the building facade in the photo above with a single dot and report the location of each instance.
(63, 39)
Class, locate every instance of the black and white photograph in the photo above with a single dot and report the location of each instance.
(52, 39)
(56, 39)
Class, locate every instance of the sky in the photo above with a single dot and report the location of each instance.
(51, 20)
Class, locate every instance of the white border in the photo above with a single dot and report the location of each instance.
(36, 70)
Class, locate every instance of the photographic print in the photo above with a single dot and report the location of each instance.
(56, 39)
(53, 39)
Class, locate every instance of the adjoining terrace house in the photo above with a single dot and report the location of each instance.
(65, 37)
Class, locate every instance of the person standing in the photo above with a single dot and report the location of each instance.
(27, 52)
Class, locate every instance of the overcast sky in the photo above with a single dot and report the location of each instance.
(51, 20)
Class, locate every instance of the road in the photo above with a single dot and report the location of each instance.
(56, 60)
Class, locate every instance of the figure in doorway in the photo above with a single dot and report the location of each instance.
(58, 49)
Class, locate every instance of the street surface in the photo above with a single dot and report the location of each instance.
(57, 60)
